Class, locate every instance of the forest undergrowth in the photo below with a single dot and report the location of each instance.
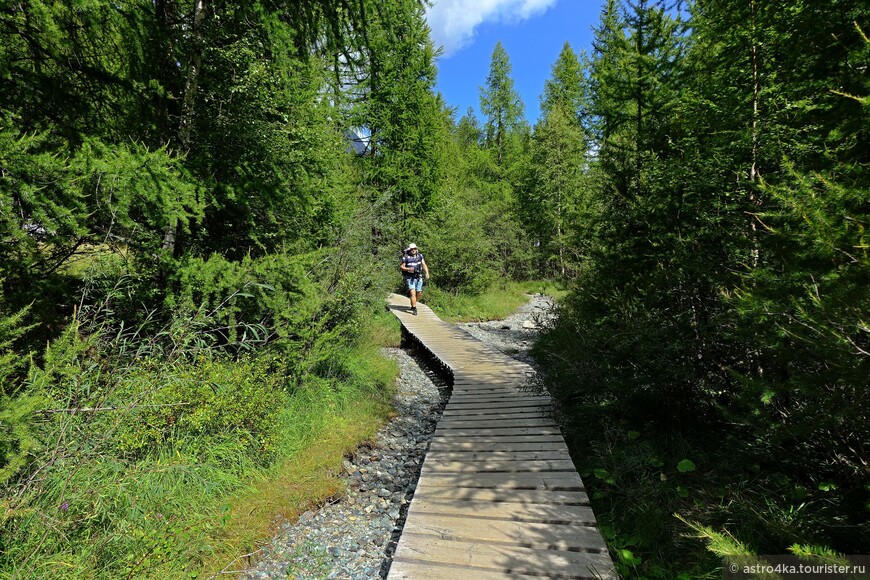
(170, 451)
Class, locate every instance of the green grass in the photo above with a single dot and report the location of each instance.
(498, 302)
(383, 329)
(95, 258)
(318, 437)
(196, 497)
(320, 428)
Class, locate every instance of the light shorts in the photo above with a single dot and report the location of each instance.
(415, 283)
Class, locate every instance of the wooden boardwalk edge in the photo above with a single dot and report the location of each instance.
(498, 495)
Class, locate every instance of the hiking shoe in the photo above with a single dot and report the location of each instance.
(414, 311)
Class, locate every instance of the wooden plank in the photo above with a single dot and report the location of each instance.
(476, 416)
(498, 371)
(542, 443)
(471, 401)
(528, 418)
(480, 379)
(511, 413)
(560, 454)
(409, 570)
(498, 431)
(490, 385)
(520, 512)
(488, 391)
(525, 534)
(495, 465)
(556, 480)
(495, 372)
(452, 415)
(499, 366)
(493, 408)
(541, 496)
(464, 397)
(513, 386)
(476, 399)
(512, 423)
(516, 391)
(487, 426)
(488, 558)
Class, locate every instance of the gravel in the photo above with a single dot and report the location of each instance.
(354, 537)
(516, 334)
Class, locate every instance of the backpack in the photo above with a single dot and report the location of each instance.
(418, 266)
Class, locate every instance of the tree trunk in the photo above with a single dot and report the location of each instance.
(754, 354)
(166, 13)
(754, 136)
(639, 96)
(187, 107)
(499, 138)
(190, 85)
(559, 233)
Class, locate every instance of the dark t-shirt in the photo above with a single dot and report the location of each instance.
(415, 262)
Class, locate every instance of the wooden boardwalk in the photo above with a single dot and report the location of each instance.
(498, 495)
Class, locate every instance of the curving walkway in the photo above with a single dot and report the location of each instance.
(498, 495)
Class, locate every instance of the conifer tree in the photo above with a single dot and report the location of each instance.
(468, 129)
(402, 111)
(567, 85)
(500, 103)
(551, 196)
(635, 289)
(786, 124)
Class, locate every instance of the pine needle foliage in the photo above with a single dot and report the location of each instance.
(718, 310)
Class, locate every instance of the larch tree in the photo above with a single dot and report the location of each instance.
(550, 199)
(403, 113)
(567, 85)
(500, 103)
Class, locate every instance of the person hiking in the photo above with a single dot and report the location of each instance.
(413, 267)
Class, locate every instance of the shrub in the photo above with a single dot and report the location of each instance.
(200, 402)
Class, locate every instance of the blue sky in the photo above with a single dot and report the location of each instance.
(532, 32)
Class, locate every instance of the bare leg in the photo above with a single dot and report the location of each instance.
(420, 296)
(413, 298)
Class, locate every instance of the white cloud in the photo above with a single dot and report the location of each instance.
(453, 22)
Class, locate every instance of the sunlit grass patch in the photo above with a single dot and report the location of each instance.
(498, 302)
(383, 329)
(91, 258)
(312, 477)
(325, 422)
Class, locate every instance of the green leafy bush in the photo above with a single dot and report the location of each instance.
(200, 402)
